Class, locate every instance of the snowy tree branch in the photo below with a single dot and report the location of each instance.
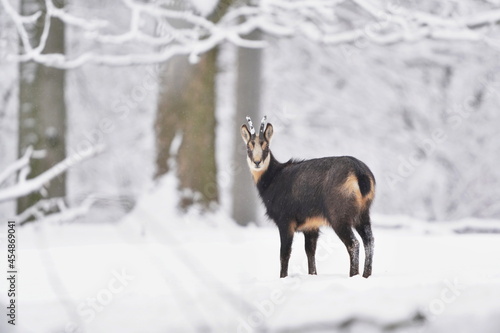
(16, 166)
(35, 184)
(315, 19)
(19, 22)
(42, 211)
(46, 28)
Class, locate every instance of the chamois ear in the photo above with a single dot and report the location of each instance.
(245, 133)
(268, 133)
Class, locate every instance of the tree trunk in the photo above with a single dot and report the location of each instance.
(187, 105)
(247, 104)
(42, 108)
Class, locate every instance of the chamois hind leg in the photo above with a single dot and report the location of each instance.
(311, 239)
(286, 236)
(365, 231)
(343, 229)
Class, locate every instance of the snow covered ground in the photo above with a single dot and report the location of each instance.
(158, 272)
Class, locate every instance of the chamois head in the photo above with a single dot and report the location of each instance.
(257, 146)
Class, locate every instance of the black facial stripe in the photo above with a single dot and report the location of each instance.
(264, 145)
(264, 154)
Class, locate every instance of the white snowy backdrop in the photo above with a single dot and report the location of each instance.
(423, 115)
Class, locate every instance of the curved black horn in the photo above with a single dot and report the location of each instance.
(262, 124)
(252, 130)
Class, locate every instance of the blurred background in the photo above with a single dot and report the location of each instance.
(419, 107)
(110, 108)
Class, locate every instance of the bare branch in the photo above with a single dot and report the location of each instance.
(46, 28)
(487, 18)
(39, 210)
(19, 23)
(31, 185)
(16, 166)
(85, 24)
(156, 11)
(315, 19)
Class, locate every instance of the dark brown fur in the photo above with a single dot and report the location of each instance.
(304, 195)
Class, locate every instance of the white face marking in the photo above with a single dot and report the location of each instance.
(258, 171)
(256, 155)
(262, 166)
(257, 152)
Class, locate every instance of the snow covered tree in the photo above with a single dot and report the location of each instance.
(186, 106)
(248, 101)
(190, 36)
(42, 108)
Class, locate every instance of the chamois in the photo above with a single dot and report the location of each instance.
(304, 195)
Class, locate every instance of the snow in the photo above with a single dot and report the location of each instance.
(9, 104)
(380, 104)
(159, 271)
(388, 106)
(204, 7)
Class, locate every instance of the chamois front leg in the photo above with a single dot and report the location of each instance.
(311, 239)
(286, 236)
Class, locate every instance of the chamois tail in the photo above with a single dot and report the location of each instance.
(364, 183)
